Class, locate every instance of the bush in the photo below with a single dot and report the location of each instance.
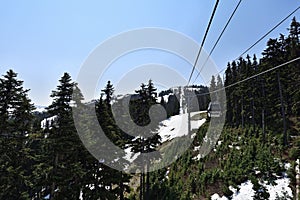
(293, 153)
(226, 191)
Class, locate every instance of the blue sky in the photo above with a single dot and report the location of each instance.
(42, 39)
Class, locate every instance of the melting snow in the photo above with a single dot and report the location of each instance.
(50, 121)
(246, 192)
(177, 126)
(129, 155)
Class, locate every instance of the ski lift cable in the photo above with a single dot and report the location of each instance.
(261, 38)
(253, 76)
(216, 43)
(203, 40)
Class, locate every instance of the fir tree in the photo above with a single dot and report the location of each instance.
(64, 144)
(147, 140)
(16, 122)
(108, 91)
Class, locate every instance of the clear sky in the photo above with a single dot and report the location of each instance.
(42, 39)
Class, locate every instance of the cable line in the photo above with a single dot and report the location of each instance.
(204, 38)
(265, 35)
(211, 51)
(253, 76)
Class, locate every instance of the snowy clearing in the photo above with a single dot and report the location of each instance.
(177, 126)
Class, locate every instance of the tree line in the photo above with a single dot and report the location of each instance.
(268, 101)
(260, 135)
(51, 162)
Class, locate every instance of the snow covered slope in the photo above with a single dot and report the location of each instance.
(177, 126)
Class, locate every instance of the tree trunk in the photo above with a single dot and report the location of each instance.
(263, 112)
(282, 111)
(121, 187)
(252, 105)
(147, 183)
(242, 112)
(53, 183)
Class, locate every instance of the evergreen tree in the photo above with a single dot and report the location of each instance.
(108, 91)
(16, 122)
(108, 177)
(212, 88)
(15, 106)
(64, 144)
(148, 139)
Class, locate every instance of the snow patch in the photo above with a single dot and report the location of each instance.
(177, 126)
(50, 121)
(246, 191)
(129, 155)
(217, 197)
(166, 98)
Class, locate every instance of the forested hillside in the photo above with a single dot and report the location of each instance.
(261, 135)
(260, 141)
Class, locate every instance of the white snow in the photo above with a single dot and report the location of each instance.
(287, 166)
(50, 121)
(167, 173)
(197, 148)
(177, 126)
(281, 185)
(217, 197)
(166, 98)
(246, 192)
(129, 155)
(197, 157)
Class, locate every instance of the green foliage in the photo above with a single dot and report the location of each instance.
(16, 119)
(260, 192)
(294, 153)
(266, 100)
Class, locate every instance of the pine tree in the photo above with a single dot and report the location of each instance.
(16, 122)
(220, 93)
(145, 143)
(108, 91)
(15, 106)
(293, 50)
(229, 101)
(64, 144)
(109, 183)
(212, 88)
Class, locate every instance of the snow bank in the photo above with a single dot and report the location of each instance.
(246, 192)
(177, 126)
(129, 155)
